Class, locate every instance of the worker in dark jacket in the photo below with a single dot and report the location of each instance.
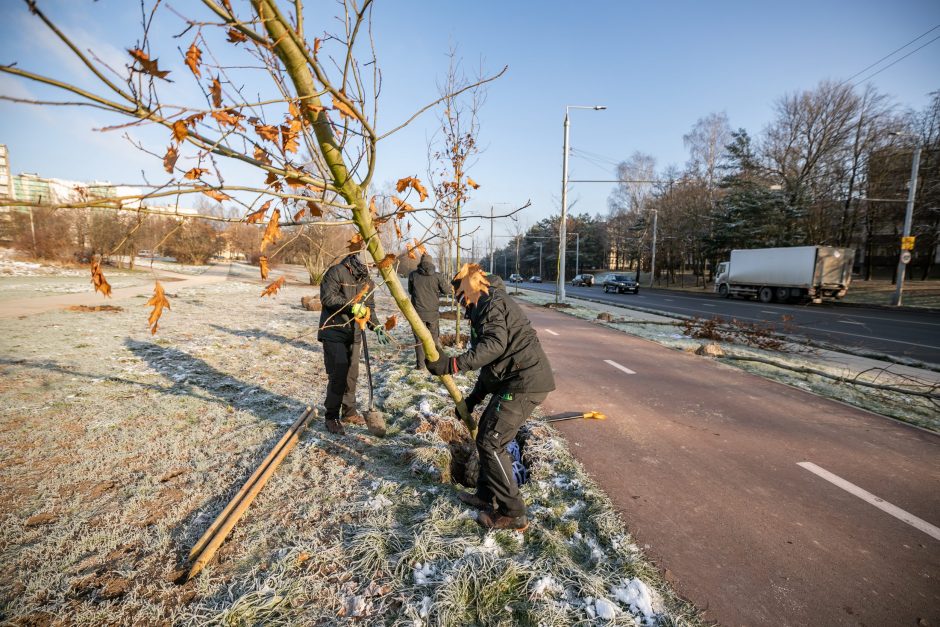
(339, 334)
(515, 372)
(426, 287)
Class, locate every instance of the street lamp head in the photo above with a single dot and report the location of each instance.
(599, 107)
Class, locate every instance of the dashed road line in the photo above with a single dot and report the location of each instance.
(861, 324)
(550, 331)
(868, 497)
(773, 313)
(707, 305)
(618, 366)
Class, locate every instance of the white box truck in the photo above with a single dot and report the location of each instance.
(786, 274)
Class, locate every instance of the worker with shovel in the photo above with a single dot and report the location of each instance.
(514, 372)
(426, 286)
(345, 294)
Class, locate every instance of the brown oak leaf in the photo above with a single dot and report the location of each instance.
(355, 243)
(193, 59)
(390, 322)
(415, 184)
(236, 37)
(263, 265)
(388, 260)
(147, 65)
(158, 301)
(261, 155)
(272, 289)
(299, 214)
(268, 132)
(472, 183)
(473, 283)
(179, 130)
(97, 279)
(215, 194)
(195, 173)
(256, 216)
(169, 159)
(344, 109)
(215, 90)
(273, 231)
(314, 208)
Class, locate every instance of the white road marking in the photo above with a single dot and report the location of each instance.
(618, 366)
(770, 312)
(550, 331)
(668, 300)
(851, 322)
(707, 305)
(883, 505)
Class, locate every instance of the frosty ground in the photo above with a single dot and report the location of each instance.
(119, 448)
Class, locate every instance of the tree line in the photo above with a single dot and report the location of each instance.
(831, 168)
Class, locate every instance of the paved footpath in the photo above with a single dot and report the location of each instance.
(30, 306)
(764, 504)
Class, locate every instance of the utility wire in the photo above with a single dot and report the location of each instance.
(871, 76)
(892, 53)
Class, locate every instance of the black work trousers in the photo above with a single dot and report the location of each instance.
(501, 420)
(434, 326)
(342, 368)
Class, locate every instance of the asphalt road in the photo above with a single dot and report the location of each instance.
(903, 333)
(736, 485)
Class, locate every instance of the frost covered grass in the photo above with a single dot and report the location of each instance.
(118, 448)
(909, 408)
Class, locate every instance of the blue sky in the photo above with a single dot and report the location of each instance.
(657, 66)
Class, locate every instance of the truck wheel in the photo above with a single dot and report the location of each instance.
(782, 294)
(765, 295)
(606, 291)
(723, 290)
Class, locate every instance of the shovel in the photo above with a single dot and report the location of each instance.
(375, 421)
(590, 415)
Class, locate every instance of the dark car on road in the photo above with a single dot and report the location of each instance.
(585, 280)
(535, 279)
(516, 278)
(621, 283)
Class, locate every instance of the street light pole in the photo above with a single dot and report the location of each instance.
(563, 227)
(577, 253)
(653, 258)
(908, 218)
(492, 250)
(540, 259)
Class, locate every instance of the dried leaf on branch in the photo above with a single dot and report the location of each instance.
(472, 183)
(180, 131)
(272, 289)
(158, 301)
(473, 283)
(236, 37)
(415, 184)
(403, 207)
(263, 265)
(415, 248)
(314, 208)
(256, 216)
(289, 138)
(215, 194)
(195, 173)
(193, 59)
(299, 214)
(373, 210)
(355, 243)
(169, 159)
(386, 262)
(268, 132)
(262, 156)
(147, 65)
(98, 280)
(361, 294)
(391, 321)
(229, 117)
(273, 231)
(345, 111)
(215, 90)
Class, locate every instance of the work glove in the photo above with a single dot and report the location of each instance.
(443, 365)
(357, 310)
(382, 337)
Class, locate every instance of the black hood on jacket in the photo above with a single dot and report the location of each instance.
(356, 267)
(426, 265)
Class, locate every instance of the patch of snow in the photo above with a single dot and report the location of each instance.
(546, 586)
(379, 502)
(425, 607)
(605, 609)
(637, 596)
(423, 573)
(425, 408)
